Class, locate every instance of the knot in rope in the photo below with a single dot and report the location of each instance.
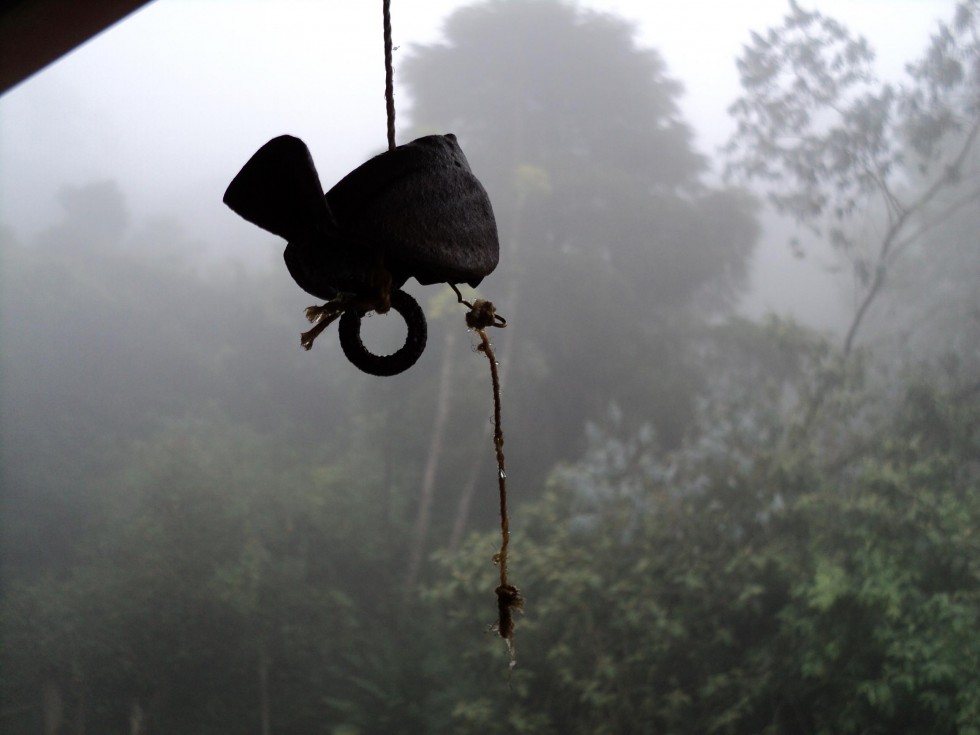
(508, 599)
(483, 314)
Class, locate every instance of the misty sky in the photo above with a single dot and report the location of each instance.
(174, 99)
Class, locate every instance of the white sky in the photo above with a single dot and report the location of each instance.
(173, 100)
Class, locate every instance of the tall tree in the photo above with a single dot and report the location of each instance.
(837, 148)
(612, 247)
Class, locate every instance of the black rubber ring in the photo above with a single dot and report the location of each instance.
(385, 365)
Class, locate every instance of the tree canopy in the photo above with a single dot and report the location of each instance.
(834, 146)
(599, 196)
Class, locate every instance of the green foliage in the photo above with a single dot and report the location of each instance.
(888, 608)
(216, 552)
(737, 587)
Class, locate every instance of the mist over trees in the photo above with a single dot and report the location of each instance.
(600, 200)
(614, 252)
(720, 525)
(841, 151)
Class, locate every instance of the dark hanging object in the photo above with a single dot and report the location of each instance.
(416, 211)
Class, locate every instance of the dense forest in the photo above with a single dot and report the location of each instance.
(719, 524)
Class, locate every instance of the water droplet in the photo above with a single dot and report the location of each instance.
(503, 475)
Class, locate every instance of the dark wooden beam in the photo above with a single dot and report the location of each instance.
(33, 33)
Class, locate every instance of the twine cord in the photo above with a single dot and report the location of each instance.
(389, 75)
(482, 315)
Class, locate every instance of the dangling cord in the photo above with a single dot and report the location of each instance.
(389, 76)
(482, 315)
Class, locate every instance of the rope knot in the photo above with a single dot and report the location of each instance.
(481, 314)
(509, 598)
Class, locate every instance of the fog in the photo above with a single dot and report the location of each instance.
(173, 100)
(739, 372)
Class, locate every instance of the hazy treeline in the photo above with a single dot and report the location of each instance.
(719, 525)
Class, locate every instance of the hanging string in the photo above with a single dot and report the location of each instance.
(389, 75)
(482, 315)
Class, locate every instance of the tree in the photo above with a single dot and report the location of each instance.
(613, 248)
(931, 307)
(99, 350)
(219, 587)
(834, 146)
